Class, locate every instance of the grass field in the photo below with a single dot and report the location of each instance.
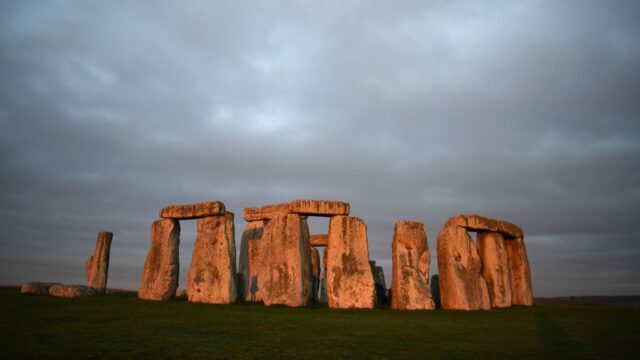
(121, 326)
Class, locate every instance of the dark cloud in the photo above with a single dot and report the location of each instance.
(526, 111)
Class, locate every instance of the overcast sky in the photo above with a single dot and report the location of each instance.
(527, 111)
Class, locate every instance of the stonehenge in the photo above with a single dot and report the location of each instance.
(160, 273)
(494, 274)
(97, 265)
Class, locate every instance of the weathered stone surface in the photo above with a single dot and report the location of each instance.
(72, 291)
(97, 265)
(249, 259)
(267, 212)
(521, 289)
(285, 262)
(181, 294)
(411, 261)
(212, 274)
(462, 285)
(319, 239)
(379, 283)
(315, 274)
(319, 207)
(323, 279)
(481, 223)
(37, 288)
(193, 211)
(495, 268)
(435, 290)
(160, 274)
(349, 278)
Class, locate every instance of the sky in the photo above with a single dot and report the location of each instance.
(527, 111)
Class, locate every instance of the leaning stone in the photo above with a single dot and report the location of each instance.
(411, 261)
(249, 259)
(481, 223)
(462, 285)
(495, 268)
(71, 291)
(37, 288)
(160, 274)
(267, 212)
(319, 239)
(349, 278)
(97, 265)
(285, 262)
(193, 211)
(319, 207)
(212, 274)
(521, 289)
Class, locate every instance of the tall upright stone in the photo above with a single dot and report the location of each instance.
(315, 274)
(349, 277)
(411, 261)
(249, 259)
(521, 289)
(160, 274)
(212, 274)
(495, 268)
(435, 290)
(323, 279)
(285, 262)
(462, 285)
(97, 265)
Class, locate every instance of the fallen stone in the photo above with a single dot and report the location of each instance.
(160, 273)
(212, 274)
(267, 212)
(495, 268)
(249, 259)
(97, 265)
(521, 289)
(315, 274)
(481, 223)
(37, 288)
(193, 211)
(349, 278)
(285, 262)
(72, 291)
(411, 261)
(319, 207)
(319, 239)
(462, 285)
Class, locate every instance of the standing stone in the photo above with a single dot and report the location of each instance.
(285, 262)
(315, 274)
(349, 278)
(411, 261)
(462, 285)
(323, 279)
(495, 268)
(97, 265)
(521, 290)
(249, 259)
(379, 283)
(212, 274)
(160, 274)
(435, 290)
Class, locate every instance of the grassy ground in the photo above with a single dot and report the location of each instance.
(121, 326)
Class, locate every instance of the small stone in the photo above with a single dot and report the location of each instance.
(319, 207)
(193, 211)
(71, 291)
(212, 274)
(37, 288)
(97, 265)
(160, 274)
(181, 294)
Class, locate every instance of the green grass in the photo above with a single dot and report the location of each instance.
(121, 326)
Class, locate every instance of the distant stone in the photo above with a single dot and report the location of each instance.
(435, 290)
(97, 265)
(212, 274)
(315, 274)
(285, 262)
(349, 277)
(462, 286)
(411, 261)
(160, 273)
(193, 211)
(323, 279)
(481, 223)
(181, 294)
(521, 289)
(71, 291)
(267, 212)
(495, 268)
(37, 288)
(249, 259)
(319, 207)
(319, 239)
(379, 283)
